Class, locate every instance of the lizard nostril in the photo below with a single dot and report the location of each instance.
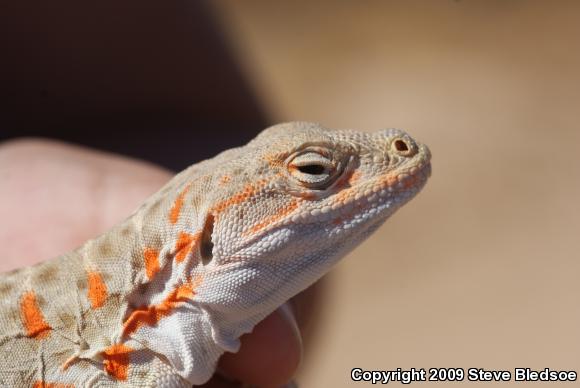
(401, 145)
(404, 147)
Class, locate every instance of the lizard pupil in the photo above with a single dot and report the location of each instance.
(312, 169)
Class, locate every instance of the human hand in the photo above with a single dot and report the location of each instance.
(56, 196)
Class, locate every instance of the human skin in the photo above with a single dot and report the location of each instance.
(55, 196)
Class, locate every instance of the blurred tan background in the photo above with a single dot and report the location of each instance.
(481, 270)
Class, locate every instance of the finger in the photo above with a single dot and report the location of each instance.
(218, 381)
(270, 355)
(79, 192)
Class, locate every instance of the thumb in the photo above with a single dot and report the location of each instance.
(269, 355)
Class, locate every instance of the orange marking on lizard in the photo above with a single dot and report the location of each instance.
(387, 180)
(151, 258)
(42, 384)
(185, 243)
(32, 317)
(177, 205)
(97, 290)
(354, 177)
(309, 196)
(151, 315)
(274, 160)
(248, 191)
(225, 179)
(293, 205)
(116, 360)
(344, 196)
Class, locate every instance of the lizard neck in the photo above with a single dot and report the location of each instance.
(150, 266)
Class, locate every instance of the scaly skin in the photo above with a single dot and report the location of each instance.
(156, 300)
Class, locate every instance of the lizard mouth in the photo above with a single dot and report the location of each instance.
(399, 187)
(408, 180)
(379, 198)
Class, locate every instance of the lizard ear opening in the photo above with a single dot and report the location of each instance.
(206, 246)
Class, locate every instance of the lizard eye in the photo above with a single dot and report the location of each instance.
(312, 169)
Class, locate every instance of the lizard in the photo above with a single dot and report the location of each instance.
(160, 297)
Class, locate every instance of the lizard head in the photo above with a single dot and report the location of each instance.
(257, 224)
(289, 205)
